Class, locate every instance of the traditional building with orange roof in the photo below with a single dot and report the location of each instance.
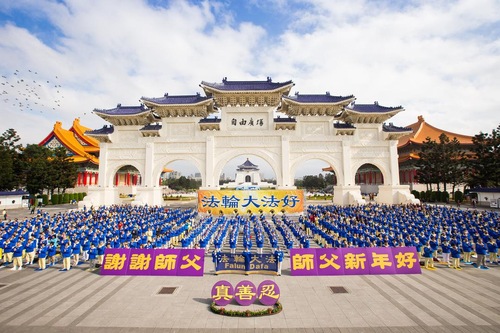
(81, 149)
(409, 147)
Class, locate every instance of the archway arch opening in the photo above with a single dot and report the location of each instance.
(126, 179)
(180, 177)
(247, 171)
(369, 177)
(127, 176)
(315, 176)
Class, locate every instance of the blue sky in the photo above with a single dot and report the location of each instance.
(439, 59)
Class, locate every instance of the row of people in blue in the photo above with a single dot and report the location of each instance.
(77, 233)
(432, 228)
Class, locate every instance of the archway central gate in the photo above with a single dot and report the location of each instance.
(240, 118)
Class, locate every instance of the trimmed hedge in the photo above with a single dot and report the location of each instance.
(459, 196)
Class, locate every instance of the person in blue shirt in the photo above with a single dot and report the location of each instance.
(17, 251)
(100, 253)
(8, 252)
(51, 253)
(42, 256)
(92, 256)
(278, 255)
(455, 256)
(434, 246)
(247, 255)
(85, 248)
(493, 251)
(30, 250)
(2, 242)
(467, 248)
(481, 254)
(216, 257)
(66, 253)
(446, 252)
(76, 249)
(428, 257)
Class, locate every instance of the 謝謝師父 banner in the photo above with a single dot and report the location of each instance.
(167, 262)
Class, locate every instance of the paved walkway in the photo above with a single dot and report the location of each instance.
(444, 300)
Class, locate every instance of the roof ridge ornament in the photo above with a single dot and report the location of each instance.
(269, 79)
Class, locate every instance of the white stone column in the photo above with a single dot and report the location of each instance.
(103, 165)
(347, 180)
(393, 164)
(347, 193)
(209, 179)
(149, 166)
(286, 177)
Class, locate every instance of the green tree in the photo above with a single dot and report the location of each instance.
(312, 183)
(427, 163)
(63, 172)
(459, 163)
(441, 162)
(36, 168)
(485, 162)
(10, 151)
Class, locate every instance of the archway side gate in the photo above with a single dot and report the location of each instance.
(239, 116)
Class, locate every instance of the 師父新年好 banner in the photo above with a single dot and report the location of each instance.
(354, 261)
(242, 201)
(165, 262)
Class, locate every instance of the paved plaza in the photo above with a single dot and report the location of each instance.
(444, 300)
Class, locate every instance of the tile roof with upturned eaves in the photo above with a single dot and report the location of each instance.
(151, 127)
(343, 125)
(421, 130)
(372, 108)
(280, 119)
(105, 130)
(124, 110)
(267, 85)
(176, 99)
(395, 129)
(318, 99)
(210, 121)
(68, 140)
(79, 130)
(247, 165)
(13, 193)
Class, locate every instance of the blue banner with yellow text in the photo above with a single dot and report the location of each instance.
(247, 263)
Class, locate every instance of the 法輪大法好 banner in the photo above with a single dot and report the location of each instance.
(354, 261)
(242, 201)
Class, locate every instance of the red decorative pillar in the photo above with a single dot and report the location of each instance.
(85, 178)
(116, 179)
(96, 178)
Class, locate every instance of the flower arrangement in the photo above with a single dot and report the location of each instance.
(247, 313)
